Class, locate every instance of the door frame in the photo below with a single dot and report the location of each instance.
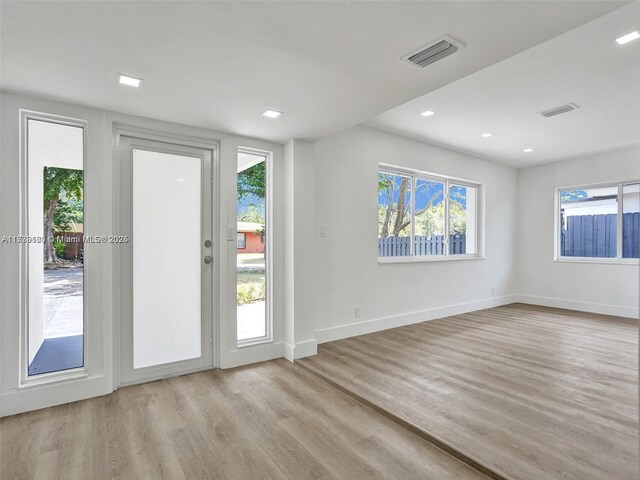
(212, 146)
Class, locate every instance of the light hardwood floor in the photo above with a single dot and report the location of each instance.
(532, 393)
(271, 421)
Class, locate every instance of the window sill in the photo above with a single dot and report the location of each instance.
(425, 259)
(53, 377)
(603, 261)
(250, 342)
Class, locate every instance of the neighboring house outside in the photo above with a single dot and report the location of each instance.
(250, 239)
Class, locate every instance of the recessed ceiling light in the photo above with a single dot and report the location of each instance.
(271, 114)
(628, 37)
(528, 150)
(428, 113)
(130, 81)
(487, 135)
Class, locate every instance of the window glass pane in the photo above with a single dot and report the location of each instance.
(394, 215)
(588, 221)
(462, 220)
(630, 220)
(429, 218)
(56, 219)
(241, 240)
(251, 247)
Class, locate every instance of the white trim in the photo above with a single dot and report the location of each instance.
(619, 223)
(212, 147)
(288, 351)
(252, 354)
(412, 211)
(600, 260)
(601, 308)
(447, 183)
(369, 326)
(306, 348)
(429, 258)
(406, 171)
(49, 395)
(618, 259)
(300, 350)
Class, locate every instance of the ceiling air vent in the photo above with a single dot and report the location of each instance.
(559, 110)
(433, 52)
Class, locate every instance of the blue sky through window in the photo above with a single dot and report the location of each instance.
(426, 190)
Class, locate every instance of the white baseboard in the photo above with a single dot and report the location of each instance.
(300, 350)
(35, 398)
(252, 354)
(289, 352)
(306, 348)
(378, 324)
(601, 308)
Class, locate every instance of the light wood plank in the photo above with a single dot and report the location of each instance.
(266, 421)
(528, 392)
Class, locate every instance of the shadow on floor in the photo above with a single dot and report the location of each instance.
(57, 354)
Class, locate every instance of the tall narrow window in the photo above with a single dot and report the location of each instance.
(55, 186)
(253, 243)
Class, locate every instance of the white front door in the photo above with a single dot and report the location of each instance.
(166, 259)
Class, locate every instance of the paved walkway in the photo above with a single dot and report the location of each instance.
(63, 302)
(251, 316)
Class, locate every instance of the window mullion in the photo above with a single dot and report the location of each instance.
(559, 223)
(619, 223)
(446, 218)
(413, 216)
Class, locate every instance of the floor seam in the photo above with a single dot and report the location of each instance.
(407, 425)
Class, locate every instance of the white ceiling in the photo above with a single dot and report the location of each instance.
(584, 66)
(327, 65)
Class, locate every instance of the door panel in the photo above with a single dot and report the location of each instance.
(166, 301)
(166, 258)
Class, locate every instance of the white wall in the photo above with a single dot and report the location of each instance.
(300, 250)
(601, 288)
(347, 272)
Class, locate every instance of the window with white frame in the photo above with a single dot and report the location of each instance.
(599, 222)
(423, 215)
(253, 259)
(54, 256)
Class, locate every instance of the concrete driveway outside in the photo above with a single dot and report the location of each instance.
(63, 300)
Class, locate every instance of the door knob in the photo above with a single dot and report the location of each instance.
(208, 259)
